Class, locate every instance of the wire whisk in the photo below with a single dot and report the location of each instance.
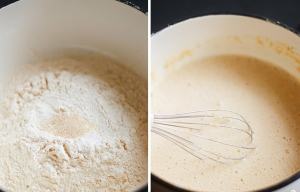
(220, 135)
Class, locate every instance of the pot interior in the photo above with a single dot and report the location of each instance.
(225, 34)
(36, 31)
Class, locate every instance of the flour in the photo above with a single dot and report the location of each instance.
(73, 125)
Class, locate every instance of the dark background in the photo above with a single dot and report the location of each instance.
(143, 4)
(164, 12)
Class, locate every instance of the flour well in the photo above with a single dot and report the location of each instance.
(73, 125)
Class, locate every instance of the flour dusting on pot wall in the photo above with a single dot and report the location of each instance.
(73, 125)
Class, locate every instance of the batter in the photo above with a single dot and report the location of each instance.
(267, 96)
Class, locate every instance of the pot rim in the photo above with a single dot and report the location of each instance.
(126, 2)
(275, 186)
(278, 23)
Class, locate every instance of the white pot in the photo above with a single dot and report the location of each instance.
(38, 30)
(223, 34)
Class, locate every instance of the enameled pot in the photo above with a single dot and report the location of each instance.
(226, 34)
(35, 30)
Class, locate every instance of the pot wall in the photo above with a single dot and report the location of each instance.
(33, 30)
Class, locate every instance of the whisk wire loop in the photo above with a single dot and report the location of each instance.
(165, 126)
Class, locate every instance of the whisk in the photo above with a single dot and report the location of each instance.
(178, 128)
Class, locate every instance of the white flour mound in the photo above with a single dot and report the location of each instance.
(73, 125)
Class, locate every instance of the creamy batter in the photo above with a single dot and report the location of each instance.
(267, 96)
